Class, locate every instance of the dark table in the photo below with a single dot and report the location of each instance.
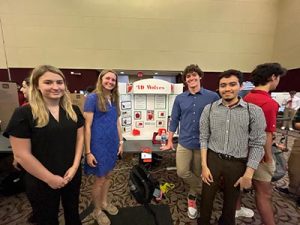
(136, 146)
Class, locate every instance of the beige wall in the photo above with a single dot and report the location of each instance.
(287, 39)
(136, 34)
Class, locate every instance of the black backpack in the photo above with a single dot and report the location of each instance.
(141, 184)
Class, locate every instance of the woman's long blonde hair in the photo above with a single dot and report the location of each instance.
(40, 111)
(102, 101)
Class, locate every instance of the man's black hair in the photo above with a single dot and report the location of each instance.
(228, 73)
(262, 74)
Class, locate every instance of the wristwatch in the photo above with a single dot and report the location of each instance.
(121, 142)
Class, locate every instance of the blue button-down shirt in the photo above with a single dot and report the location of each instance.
(187, 110)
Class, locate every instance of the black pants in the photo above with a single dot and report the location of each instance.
(231, 171)
(45, 200)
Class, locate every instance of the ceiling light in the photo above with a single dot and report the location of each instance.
(75, 73)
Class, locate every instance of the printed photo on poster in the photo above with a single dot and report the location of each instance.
(127, 129)
(150, 115)
(125, 98)
(125, 105)
(126, 121)
(126, 113)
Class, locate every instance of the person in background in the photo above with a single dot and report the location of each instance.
(46, 136)
(187, 110)
(25, 89)
(293, 166)
(265, 78)
(89, 90)
(232, 139)
(103, 141)
(292, 104)
(21, 97)
(297, 119)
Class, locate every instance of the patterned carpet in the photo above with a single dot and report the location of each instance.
(15, 209)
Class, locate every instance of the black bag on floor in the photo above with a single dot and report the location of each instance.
(13, 183)
(141, 184)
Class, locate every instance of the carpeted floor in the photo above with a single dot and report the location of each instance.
(15, 209)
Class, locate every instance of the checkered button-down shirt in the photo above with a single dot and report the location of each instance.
(230, 131)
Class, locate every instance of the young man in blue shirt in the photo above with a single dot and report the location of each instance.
(293, 167)
(187, 110)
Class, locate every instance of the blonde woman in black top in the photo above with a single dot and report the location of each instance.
(47, 140)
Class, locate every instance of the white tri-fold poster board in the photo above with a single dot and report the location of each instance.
(146, 106)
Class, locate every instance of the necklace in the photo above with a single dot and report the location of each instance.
(108, 97)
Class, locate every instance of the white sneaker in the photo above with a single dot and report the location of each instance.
(282, 128)
(244, 212)
(192, 207)
(291, 129)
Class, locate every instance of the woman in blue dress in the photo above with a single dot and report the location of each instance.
(103, 140)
